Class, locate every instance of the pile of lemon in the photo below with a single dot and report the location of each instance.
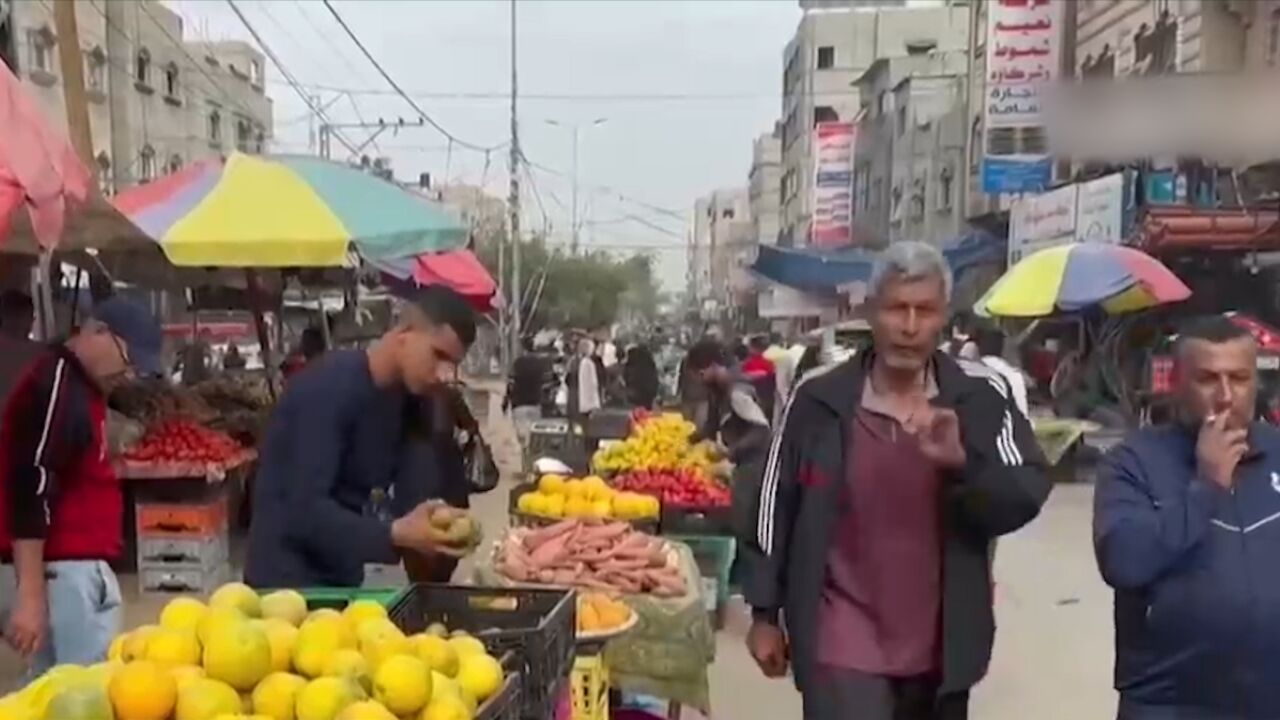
(268, 658)
(598, 612)
(661, 442)
(558, 496)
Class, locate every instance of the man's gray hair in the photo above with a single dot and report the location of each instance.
(909, 260)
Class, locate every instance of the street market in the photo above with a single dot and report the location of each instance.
(951, 411)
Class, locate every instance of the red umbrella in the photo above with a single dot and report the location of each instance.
(457, 269)
(38, 167)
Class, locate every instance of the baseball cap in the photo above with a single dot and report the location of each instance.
(133, 324)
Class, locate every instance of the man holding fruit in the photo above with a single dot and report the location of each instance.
(889, 479)
(325, 489)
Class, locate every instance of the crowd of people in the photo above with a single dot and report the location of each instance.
(869, 493)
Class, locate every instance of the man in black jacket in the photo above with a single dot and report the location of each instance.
(891, 475)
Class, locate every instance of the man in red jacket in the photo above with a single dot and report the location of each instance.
(60, 502)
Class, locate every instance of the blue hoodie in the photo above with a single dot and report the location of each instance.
(1196, 570)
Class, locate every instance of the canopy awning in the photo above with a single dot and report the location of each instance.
(1166, 228)
(826, 271)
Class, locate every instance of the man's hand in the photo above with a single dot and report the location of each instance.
(938, 432)
(768, 645)
(1219, 449)
(28, 622)
(416, 532)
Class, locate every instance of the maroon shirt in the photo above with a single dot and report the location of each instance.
(881, 604)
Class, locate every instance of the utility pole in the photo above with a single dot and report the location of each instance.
(64, 21)
(573, 211)
(513, 202)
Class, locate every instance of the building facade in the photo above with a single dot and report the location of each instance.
(909, 150)
(156, 100)
(832, 47)
(720, 237)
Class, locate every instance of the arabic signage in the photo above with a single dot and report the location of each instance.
(1094, 211)
(1100, 210)
(1023, 43)
(832, 224)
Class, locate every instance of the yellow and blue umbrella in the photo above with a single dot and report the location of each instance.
(284, 211)
(1075, 277)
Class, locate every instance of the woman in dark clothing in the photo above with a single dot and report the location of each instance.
(641, 377)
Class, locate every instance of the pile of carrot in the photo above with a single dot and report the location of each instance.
(596, 555)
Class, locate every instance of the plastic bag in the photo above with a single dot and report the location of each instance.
(481, 470)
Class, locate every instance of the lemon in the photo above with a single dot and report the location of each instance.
(466, 645)
(323, 698)
(437, 653)
(143, 690)
(240, 656)
(442, 686)
(276, 694)
(173, 647)
(361, 610)
(551, 484)
(286, 605)
(115, 651)
(135, 645)
(577, 506)
(81, 701)
(205, 699)
(365, 710)
(183, 674)
(183, 613)
(554, 506)
(317, 640)
(281, 636)
(348, 663)
(479, 674)
(447, 707)
(403, 684)
(216, 621)
(380, 639)
(238, 596)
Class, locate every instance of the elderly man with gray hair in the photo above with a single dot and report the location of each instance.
(888, 480)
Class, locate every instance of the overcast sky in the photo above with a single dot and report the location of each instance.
(685, 87)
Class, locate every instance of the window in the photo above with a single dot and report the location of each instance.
(40, 43)
(175, 163)
(726, 214)
(95, 70)
(215, 126)
(142, 67)
(255, 72)
(147, 164)
(902, 121)
(1273, 43)
(895, 204)
(826, 57)
(824, 113)
(945, 182)
(171, 80)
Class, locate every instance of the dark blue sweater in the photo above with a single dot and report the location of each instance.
(333, 440)
(1194, 567)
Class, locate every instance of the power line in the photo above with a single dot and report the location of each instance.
(613, 191)
(266, 49)
(385, 76)
(570, 97)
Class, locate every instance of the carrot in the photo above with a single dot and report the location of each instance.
(549, 551)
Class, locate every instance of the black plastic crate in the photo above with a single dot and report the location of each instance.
(697, 521)
(539, 625)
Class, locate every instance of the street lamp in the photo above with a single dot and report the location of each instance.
(573, 210)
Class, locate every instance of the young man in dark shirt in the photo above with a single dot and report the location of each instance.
(324, 489)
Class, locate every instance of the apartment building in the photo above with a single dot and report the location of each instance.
(909, 149)
(156, 100)
(832, 47)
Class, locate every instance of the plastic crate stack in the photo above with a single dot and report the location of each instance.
(589, 685)
(183, 547)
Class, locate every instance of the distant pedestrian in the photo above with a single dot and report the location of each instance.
(1185, 530)
(734, 416)
(640, 374)
(883, 490)
(233, 360)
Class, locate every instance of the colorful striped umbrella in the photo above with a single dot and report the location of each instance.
(285, 211)
(1069, 278)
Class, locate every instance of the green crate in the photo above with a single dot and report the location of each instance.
(714, 555)
(339, 598)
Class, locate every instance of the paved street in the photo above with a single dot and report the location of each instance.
(1052, 658)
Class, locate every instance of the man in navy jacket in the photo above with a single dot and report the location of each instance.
(1187, 530)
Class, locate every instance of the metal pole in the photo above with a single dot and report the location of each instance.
(573, 210)
(513, 201)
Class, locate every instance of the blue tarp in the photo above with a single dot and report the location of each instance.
(824, 271)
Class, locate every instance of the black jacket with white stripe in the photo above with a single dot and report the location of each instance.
(1001, 488)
